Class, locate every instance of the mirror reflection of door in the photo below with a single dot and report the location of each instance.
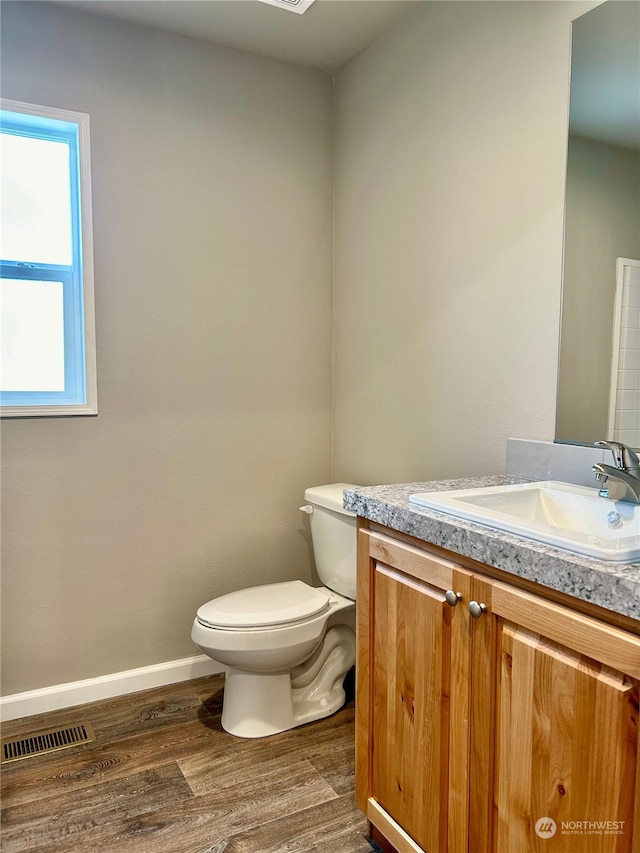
(624, 392)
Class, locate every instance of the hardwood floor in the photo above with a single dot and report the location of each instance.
(163, 777)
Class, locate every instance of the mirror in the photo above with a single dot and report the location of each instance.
(602, 224)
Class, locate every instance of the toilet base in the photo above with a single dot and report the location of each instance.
(261, 704)
(256, 704)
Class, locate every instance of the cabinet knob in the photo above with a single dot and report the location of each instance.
(452, 598)
(476, 609)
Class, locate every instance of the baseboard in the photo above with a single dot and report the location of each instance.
(105, 686)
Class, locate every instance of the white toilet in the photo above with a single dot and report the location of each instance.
(288, 646)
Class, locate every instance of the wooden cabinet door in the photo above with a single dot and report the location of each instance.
(564, 746)
(419, 701)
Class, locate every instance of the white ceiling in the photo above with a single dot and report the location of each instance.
(605, 90)
(326, 36)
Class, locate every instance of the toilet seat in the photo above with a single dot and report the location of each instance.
(275, 648)
(265, 606)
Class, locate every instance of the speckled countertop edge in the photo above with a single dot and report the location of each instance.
(614, 586)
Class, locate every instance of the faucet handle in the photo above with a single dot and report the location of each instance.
(616, 449)
(624, 457)
(632, 460)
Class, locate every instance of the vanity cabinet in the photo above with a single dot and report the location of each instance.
(489, 719)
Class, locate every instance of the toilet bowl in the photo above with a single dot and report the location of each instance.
(287, 647)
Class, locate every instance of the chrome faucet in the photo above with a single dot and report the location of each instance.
(620, 482)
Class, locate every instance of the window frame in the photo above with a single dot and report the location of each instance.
(80, 394)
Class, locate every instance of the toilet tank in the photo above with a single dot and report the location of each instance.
(333, 532)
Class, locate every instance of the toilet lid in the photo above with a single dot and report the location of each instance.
(258, 606)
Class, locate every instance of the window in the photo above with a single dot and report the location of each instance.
(47, 366)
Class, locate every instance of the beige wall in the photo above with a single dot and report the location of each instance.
(213, 191)
(212, 216)
(450, 173)
(602, 224)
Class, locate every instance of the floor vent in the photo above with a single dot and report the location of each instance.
(50, 740)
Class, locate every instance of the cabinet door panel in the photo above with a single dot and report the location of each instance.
(411, 677)
(566, 748)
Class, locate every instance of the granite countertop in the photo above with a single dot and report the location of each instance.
(614, 586)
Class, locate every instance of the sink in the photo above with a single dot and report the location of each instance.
(560, 514)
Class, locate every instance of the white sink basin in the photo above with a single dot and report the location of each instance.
(560, 514)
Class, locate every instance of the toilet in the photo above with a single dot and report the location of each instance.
(287, 646)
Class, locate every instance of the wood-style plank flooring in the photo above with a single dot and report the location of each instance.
(162, 776)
